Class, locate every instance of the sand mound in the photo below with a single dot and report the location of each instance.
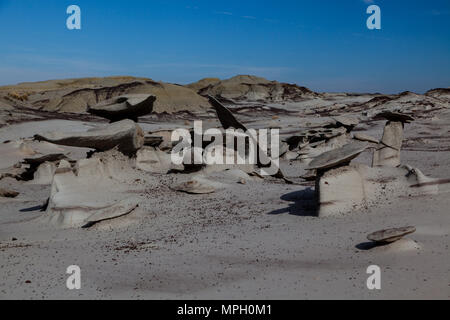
(246, 87)
(440, 93)
(407, 102)
(75, 95)
(203, 83)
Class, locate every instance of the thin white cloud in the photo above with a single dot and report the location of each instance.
(226, 13)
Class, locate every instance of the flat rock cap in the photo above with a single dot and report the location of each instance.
(390, 235)
(335, 157)
(394, 116)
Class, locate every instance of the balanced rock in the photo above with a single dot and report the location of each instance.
(388, 150)
(126, 135)
(390, 235)
(123, 107)
(356, 186)
(338, 156)
(394, 116)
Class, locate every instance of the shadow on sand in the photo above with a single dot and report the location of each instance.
(303, 203)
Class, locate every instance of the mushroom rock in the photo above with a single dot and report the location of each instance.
(339, 191)
(338, 156)
(388, 150)
(130, 106)
(394, 117)
(126, 135)
(94, 190)
(356, 186)
(390, 235)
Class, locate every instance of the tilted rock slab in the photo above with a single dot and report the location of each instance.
(126, 135)
(228, 120)
(338, 156)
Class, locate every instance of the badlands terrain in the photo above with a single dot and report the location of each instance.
(86, 179)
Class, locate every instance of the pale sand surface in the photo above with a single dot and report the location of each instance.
(260, 240)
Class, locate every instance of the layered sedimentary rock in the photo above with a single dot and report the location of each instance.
(75, 95)
(126, 135)
(247, 87)
(92, 191)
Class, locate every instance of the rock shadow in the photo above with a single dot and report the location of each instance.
(303, 203)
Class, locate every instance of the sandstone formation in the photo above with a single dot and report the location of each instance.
(75, 95)
(251, 88)
(126, 135)
(123, 107)
(92, 191)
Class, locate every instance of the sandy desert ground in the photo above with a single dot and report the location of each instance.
(251, 237)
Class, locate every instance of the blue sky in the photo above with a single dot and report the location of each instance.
(324, 45)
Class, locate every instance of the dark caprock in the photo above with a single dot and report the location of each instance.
(124, 107)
